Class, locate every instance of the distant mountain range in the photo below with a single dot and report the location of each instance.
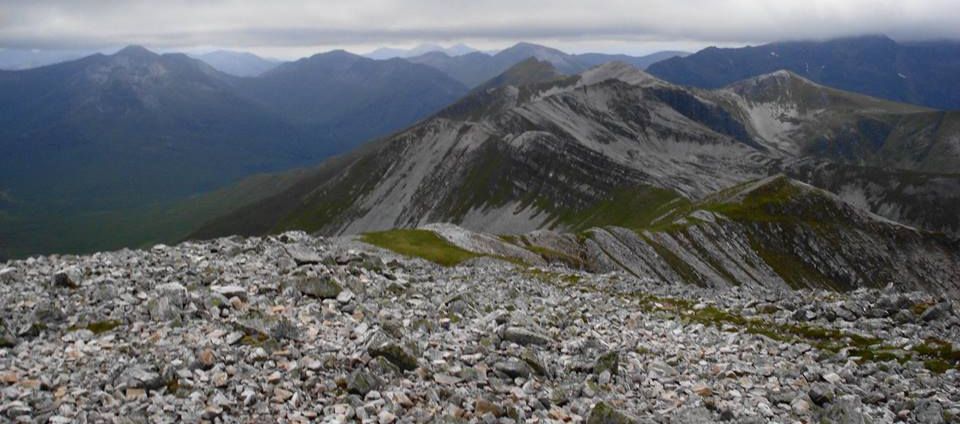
(652, 176)
(475, 68)
(923, 73)
(129, 130)
(390, 53)
(513, 151)
(134, 147)
(241, 64)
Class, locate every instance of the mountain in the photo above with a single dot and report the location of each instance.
(82, 131)
(341, 99)
(614, 146)
(85, 139)
(642, 62)
(922, 73)
(241, 64)
(476, 68)
(772, 233)
(384, 53)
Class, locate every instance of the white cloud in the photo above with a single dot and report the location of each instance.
(288, 25)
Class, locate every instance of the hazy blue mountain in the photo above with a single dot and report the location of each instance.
(926, 73)
(342, 99)
(85, 139)
(476, 68)
(641, 62)
(241, 64)
(384, 53)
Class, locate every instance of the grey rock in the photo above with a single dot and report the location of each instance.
(324, 287)
(7, 339)
(230, 291)
(937, 312)
(303, 255)
(533, 360)
(928, 411)
(68, 278)
(609, 361)
(602, 413)
(362, 382)
(821, 393)
(8, 275)
(397, 354)
(141, 377)
(846, 410)
(523, 336)
(513, 368)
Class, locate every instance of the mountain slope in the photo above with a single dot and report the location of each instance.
(573, 152)
(795, 115)
(241, 64)
(769, 233)
(476, 68)
(385, 53)
(920, 73)
(103, 138)
(519, 158)
(642, 62)
(82, 131)
(342, 99)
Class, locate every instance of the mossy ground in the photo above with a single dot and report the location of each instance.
(99, 327)
(420, 243)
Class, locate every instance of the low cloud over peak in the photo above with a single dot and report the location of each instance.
(300, 24)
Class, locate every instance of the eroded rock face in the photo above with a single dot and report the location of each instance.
(214, 331)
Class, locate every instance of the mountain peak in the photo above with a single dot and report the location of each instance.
(618, 71)
(528, 47)
(777, 81)
(134, 51)
(529, 71)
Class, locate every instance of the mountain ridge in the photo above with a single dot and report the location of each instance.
(565, 155)
(917, 73)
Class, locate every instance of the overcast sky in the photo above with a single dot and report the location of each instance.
(289, 28)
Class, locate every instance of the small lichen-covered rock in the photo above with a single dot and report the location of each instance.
(323, 287)
(362, 382)
(609, 361)
(513, 368)
(523, 336)
(140, 377)
(602, 413)
(69, 278)
(381, 345)
(7, 339)
(303, 255)
(846, 410)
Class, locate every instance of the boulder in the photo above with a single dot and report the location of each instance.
(323, 287)
(602, 413)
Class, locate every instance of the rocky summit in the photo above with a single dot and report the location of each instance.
(297, 328)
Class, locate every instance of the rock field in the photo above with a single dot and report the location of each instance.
(295, 328)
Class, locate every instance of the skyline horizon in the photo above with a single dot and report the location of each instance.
(297, 53)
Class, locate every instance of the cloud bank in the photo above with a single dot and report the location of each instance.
(293, 24)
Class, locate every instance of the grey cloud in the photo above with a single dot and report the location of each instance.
(287, 23)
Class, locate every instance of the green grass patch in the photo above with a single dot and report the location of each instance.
(630, 207)
(553, 256)
(550, 277)
(98, 327)
(420, 243)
